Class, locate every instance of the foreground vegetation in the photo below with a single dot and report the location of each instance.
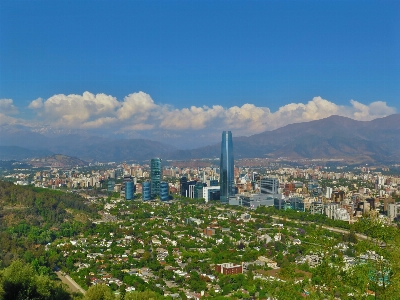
(42, 230)
(20, 281)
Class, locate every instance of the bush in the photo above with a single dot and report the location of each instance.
(20, 281)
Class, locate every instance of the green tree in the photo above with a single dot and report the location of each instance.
(145, 295)
(99, 292)
(20, 281)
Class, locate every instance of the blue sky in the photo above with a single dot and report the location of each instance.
(269, 54)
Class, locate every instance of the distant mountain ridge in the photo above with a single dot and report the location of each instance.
(85, 147)
(332, 137)
(58, 160)
(20, 153)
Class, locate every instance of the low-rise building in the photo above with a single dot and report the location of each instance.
(229, 268)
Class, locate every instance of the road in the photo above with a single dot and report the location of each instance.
(72, 285)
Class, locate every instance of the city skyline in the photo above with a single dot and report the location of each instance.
(161, 69)
(216, 149)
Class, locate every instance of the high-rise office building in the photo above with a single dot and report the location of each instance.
(110, 186)
(269, 185)
(198, 190)
(129, 190)
(227, 184)
(328, 193)
(183, 186)
(213, 182)
(129, 187)
(146, 191)
(156, 174)
(190, 191)
(211, 193)
(164, 191)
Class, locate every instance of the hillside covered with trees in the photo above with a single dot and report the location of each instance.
(32, 217)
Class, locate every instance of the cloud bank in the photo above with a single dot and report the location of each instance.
(7, 108)
(139, 113)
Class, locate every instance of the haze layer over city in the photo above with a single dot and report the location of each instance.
(199, 150)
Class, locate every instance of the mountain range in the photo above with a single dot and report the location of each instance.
(332, 137)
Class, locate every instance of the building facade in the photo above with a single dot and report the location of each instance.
(229, 268)
(164, 191)
(146, 190)
(129, 190)
(129, 187)
(110, 186)
(198, 190)
(209, 193)
(190, 188)
(183, 186)
(156, 175)
(209, 231)
(393, 211)
(214, 182)
(269, 186)
(227, 184)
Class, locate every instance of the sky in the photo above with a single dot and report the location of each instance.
(170, 70)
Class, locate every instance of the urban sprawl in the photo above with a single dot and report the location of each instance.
(223, 230)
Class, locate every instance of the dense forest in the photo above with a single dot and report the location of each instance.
(32, 217)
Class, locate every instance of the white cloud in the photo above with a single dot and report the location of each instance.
(7, 120)
(138, 112)
(247, 116)
(7, 107)
(138, 105)
(191, 118)
(375, 110)
(315, 109)
(98, 123)
(75, 110)
(36, 104)
(137, 127)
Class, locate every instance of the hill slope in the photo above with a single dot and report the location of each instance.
(20, 153)
(32, 216)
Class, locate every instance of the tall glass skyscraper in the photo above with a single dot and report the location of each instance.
(146, 193)
(183, 186)
(156, 174)
(129, 187)
(227, 184)
(129, 190)
(164, 191)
